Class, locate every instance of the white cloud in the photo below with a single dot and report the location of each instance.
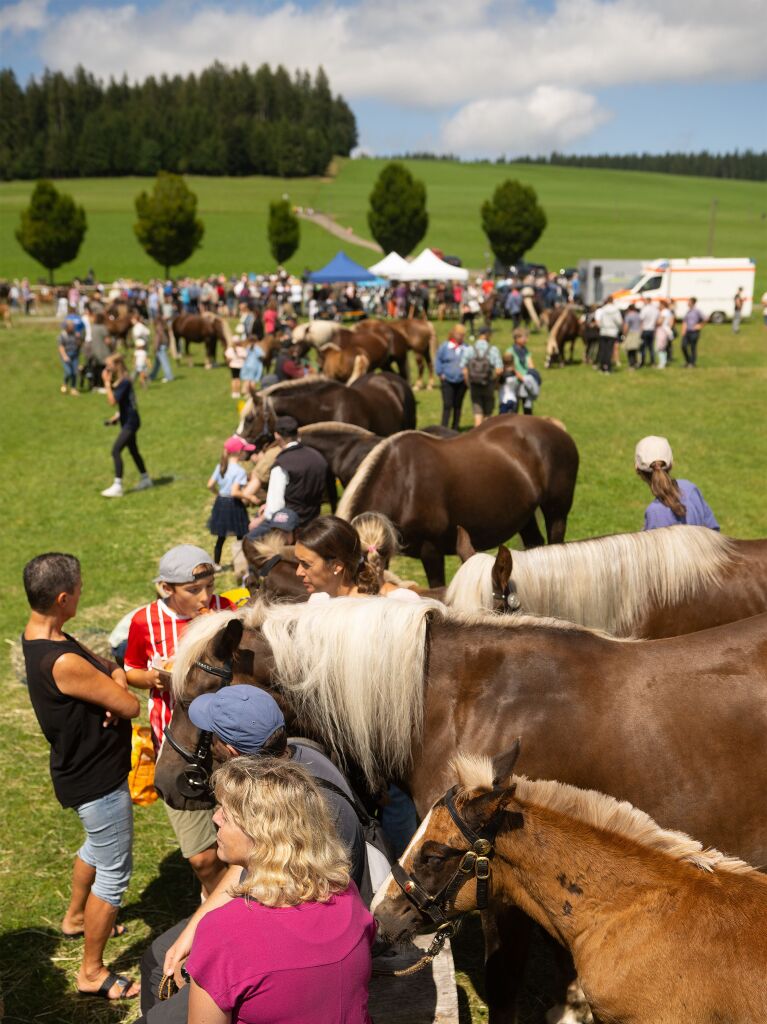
(547, 118)
(24, 16)
(428, 55)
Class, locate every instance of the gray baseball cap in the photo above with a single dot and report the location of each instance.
(178, 564)
(242, 716)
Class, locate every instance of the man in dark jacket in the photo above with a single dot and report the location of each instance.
(297, 484)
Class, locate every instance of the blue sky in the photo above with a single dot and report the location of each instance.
(483, 79)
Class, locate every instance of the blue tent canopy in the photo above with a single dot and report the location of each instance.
(341, 268)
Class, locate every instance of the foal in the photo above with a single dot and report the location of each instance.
(661, 930)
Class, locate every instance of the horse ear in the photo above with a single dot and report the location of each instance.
(228, 640)
(503, 764)
(463, 546)
(501, 573)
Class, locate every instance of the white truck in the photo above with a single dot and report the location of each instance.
(712, 282)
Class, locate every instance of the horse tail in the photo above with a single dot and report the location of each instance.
(433, 346)
(226, 330)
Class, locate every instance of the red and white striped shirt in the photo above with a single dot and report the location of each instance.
(154, 634)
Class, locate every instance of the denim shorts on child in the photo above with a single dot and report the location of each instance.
(108, 846)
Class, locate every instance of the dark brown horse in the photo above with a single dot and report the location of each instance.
(380, 402)
(691, 947)
(490, 481)
(674, 726)
(205, 327)
(565, 328)
(654, 584)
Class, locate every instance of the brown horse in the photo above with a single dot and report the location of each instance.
(490, 481)
(564, 328)
(380, 402)
(205, 327)
(352, 353)
(642, 721)
(661, 930)
(420, 338)
(653, 584)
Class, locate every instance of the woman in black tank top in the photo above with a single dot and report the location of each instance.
(84, 707)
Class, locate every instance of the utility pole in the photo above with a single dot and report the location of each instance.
(712, 227)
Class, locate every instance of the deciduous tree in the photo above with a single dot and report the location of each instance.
(397, 216)
(513, 221)
(52, 227)
(168, 227)
(283, 230)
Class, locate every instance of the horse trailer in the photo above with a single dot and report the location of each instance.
(600, 278)
(712, 282)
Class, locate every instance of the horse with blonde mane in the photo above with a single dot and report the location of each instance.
(661, 930)
(399, 688)
(654, 584)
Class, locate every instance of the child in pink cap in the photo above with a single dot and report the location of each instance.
(229, 478)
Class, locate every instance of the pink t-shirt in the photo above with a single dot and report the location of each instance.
(287, 965)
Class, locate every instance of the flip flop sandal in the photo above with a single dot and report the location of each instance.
(111, 980)
(117, 931)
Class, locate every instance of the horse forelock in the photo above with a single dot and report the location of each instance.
(606, 582)
(194, 645)
(347, 505)
(475, 772)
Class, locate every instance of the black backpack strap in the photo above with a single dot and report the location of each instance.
(353, 800)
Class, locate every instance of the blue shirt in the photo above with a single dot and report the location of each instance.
(482, 349)
(235, 474)
(698, 513)
(253, 367)
(449, 361)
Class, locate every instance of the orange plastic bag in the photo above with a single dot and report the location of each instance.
(141, 778)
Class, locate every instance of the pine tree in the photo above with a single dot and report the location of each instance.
(513, 221)
(397, 216)
(283, 231)
(52, 227)
(168, 228)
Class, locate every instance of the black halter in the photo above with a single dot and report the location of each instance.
(507, 600)
(193, 782)
(268, 565)
(474, 863)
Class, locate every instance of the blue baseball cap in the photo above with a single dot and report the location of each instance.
(242, 716)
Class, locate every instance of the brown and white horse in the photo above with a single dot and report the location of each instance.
(661, 930)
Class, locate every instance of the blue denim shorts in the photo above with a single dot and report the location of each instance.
(108, 846)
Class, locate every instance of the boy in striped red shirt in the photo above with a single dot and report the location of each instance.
(187, 581)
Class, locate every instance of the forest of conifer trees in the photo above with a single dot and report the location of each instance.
(221, 121)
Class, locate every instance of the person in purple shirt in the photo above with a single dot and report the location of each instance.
(676, 502)
(691, 325)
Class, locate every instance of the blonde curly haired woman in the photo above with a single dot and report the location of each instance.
(294, 943)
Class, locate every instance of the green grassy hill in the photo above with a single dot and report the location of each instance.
(592, 213)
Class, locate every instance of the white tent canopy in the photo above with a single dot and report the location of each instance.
(429, 267)
(392, 266)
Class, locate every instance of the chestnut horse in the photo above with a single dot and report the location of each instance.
(420, 337)
(380, 402)
(206, 327)
(653, 584)
(674, 726)
(661, 930)
(490, 480)
(564, 328)
(350, 354)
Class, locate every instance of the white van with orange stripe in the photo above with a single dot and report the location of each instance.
(713, 282)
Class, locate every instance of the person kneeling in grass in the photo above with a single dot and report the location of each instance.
(84, 707)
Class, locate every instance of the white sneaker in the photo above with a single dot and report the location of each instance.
(144, 484)
(115, 491)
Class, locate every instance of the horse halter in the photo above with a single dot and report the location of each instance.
(506, 600)
(193, 782)
(475, 863)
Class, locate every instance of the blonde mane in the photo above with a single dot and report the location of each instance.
(274, 544)
(353, 666)
(605, 582)
(334, 427)
(602, 812)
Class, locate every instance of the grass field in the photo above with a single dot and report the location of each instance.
(55, 460)
(591, 214)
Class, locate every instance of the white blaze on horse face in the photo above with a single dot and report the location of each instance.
(388, 882)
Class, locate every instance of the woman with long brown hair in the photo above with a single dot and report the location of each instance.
(675, 502)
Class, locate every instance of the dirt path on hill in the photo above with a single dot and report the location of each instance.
(328, 224)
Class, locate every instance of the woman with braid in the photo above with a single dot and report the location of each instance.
(676, 502)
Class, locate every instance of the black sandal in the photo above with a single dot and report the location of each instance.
(111, 980)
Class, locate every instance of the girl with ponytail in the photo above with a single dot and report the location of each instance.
(676, 502)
